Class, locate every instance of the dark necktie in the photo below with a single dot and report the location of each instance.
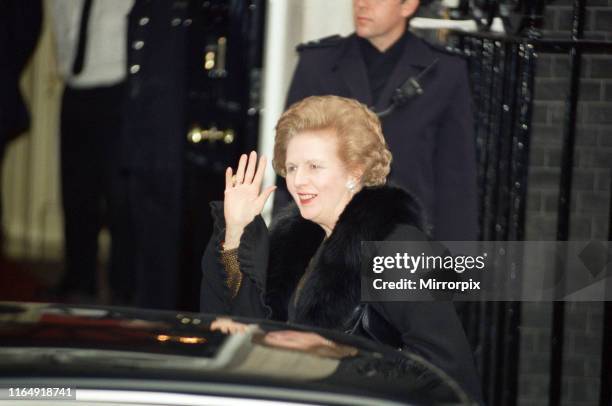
(79, 60)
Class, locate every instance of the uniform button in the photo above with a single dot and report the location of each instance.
(134, 69)
(176, 22)
(187, 22)
(137, 45)
(144, 21)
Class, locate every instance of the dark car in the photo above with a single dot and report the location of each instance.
(83, 355)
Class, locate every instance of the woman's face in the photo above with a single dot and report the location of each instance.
(317, 178)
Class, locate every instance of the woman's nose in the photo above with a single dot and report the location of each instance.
(359, 4)
(301, 177)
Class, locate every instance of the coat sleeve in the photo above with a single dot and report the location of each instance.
(455, 167)
(432, 329)
(215, 296)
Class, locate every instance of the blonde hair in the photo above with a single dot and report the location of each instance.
(361, 144)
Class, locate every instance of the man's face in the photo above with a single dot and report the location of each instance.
(376, 19)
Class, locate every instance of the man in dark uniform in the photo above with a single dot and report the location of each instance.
(430, 135)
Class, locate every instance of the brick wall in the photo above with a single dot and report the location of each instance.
(589, 205)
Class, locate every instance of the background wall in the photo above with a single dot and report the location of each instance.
(589, 205)
(30, 176)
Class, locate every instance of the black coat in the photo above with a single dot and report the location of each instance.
(20, 25)
(431, 137)
(274, 262)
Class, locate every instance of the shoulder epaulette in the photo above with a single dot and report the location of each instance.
(331, 41)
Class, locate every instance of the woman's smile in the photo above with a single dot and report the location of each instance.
(306, 198)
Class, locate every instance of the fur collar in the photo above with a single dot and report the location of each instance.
(332, 290)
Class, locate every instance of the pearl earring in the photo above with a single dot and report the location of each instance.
(350, 185)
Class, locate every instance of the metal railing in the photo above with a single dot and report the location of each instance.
(502, 71)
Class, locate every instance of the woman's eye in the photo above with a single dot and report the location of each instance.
(290, 169)
(314, 166)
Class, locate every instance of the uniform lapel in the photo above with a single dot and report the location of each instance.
(352, 70)
(415, 57)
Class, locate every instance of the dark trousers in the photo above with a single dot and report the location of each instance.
(91, 122)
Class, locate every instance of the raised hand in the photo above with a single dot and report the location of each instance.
(243, 199)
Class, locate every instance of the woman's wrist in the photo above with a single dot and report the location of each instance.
(232, 238)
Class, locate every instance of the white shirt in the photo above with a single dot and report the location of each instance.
(105, 51)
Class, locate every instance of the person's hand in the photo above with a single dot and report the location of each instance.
(297, 340)
(308, 342)
(228, 326)
(243, 199)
